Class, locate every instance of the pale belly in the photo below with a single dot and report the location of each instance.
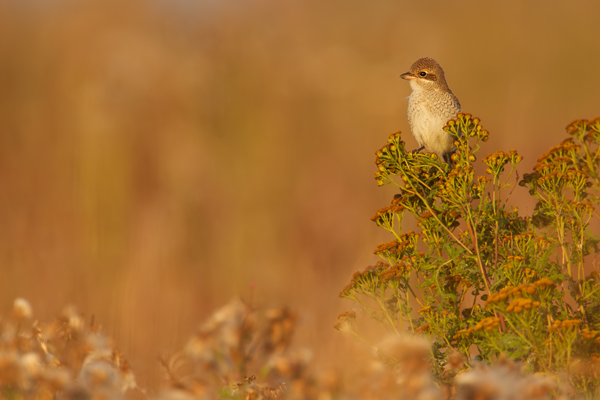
(427, 128)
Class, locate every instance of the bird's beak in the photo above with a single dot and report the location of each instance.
(408, 76)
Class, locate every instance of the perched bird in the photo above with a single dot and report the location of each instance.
(430, 105)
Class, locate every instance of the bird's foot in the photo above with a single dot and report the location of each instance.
(448, 158)
(415, 151)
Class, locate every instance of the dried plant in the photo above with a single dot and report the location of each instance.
(67, 356)
(241, 353)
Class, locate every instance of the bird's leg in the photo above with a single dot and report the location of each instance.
(448, 158)
(418, 150)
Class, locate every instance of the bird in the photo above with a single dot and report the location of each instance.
(430, 106)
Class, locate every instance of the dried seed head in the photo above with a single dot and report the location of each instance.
(22, 309)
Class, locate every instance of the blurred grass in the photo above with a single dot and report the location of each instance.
(157, 158)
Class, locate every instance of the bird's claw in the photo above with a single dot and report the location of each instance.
(415, 151)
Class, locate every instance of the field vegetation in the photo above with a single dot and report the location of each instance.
(159, 158)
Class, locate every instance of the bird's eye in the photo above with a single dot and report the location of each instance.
(422, 73)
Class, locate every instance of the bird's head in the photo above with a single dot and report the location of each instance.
(426, 74)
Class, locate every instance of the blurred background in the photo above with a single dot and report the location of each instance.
(159, 157)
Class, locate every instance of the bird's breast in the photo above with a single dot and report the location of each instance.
(428, 113)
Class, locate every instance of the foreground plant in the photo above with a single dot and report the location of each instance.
(68, 356)
(484, 279)
(238, 353)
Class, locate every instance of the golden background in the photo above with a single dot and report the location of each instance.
(160, 157)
